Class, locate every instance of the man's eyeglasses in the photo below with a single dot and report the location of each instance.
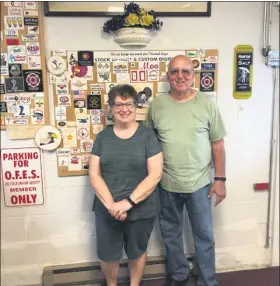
(129, 105)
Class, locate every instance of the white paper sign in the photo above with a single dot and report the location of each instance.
(22, 182)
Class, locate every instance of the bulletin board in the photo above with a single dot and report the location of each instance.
(23, 86)
(82, 79)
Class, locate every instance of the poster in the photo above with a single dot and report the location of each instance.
(22, 182)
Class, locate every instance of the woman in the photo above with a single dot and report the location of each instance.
(125, 168)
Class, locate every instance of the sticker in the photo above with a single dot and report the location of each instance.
(153, 75)
(75, 163)
(97, 87)
(39, 103)
(63, 151)
(32, 30)
(37, 116)
(122, 77)
(17, 50)
(208, 66)
(22, 110)
(120, 68)
(25, 98)
(83, 120)
(60, 113)
(15, 84)
(63, 161)
(69, 137)
(103, 77)
(30, 5)
(15, 70)
(58, 78)
(14, 11)
(34, 62)
(29, 38)
(3, 106)
(75, 150)
(61, 88)
(80, 111)
(12, 42)
(137, 76)
(206, 81)
(76, 70)
(4, 64)
(31, 13)
(61, 124)
(80, 94)
(97, 128)
(11, 98)
(79, 103)
(11, 34)
(201, 53)
(94, 101)
(191, 54)
(79, 84)
(56, 65)
(86, 145)
(30, 21)
(13, 4)
(33, 80)
(33, 49)
(196, 63)
(48, 137)
(60, 53)
(149, 66)
(17, 59)
(103, 67)
(85, 158)
(95, 119)
(2, 88)
(85, 58)
(64, 100)
(19, 121)
(212, 59)
(13, 22)
(83, 133)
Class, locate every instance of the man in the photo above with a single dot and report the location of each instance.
(191, 131)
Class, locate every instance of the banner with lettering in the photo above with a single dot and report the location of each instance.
(22, 181)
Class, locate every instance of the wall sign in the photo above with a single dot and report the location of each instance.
(22, 181)
(243, 72)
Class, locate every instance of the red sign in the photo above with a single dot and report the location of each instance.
(22, 181)
(12, 42)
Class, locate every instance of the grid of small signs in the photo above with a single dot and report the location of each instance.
(22, 89)
(81, 82)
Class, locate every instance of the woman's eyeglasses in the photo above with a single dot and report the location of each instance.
(129, 105)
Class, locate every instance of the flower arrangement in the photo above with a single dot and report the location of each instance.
(133, 17)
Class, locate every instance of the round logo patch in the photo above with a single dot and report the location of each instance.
(207, 81)
(33, 80)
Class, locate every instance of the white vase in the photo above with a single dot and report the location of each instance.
(133, 37)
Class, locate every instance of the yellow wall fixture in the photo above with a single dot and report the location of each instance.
(243, 72)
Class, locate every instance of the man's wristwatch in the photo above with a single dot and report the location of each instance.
(223, 179)
(131, 201)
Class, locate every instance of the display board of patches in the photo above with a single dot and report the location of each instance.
(80, 91)
(24, 103)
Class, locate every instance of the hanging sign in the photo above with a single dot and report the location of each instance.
(243, 72)
(22, 181)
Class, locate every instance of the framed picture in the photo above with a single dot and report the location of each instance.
(108, 9)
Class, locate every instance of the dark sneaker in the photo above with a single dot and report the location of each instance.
(172, 282)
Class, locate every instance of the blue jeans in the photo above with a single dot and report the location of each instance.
(198, 206)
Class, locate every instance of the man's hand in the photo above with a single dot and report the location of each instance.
(218, 188)
(118, 209)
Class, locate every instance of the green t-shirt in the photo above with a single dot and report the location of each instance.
(185, 131)
(123, 165)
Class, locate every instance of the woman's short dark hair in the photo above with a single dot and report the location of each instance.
(123, 91)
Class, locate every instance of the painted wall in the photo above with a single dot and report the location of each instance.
(62, 231)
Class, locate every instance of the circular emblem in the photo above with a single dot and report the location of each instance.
(87, 146)
(85, 56)
(207, 81)
(196, 64)
(56, 65)
(83, 133)
(33, 80)
(48, 137)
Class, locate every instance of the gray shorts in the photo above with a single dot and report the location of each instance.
(113, 235)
